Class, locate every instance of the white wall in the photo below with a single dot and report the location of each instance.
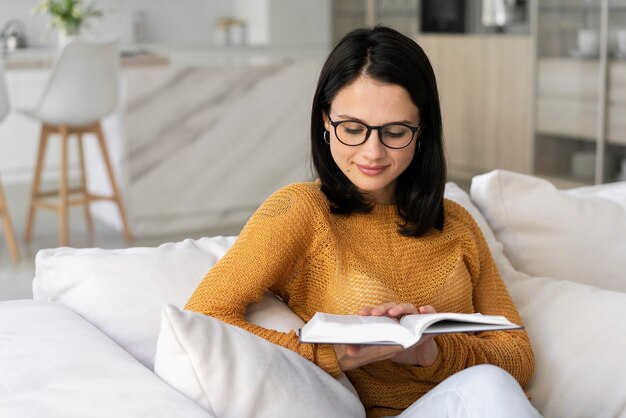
(305, 23)
(257, 15)
(191, 22)
(301, 22)
(180, 21)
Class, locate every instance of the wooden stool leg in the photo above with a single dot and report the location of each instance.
(83, 181)
(8, 227)
(63, 192)
(34, 193)
(116, 193)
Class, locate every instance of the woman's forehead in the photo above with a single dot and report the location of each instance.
(367, 98)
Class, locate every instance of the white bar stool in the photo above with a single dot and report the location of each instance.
(83, 88)
(4, 209)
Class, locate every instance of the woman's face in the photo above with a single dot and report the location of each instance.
(372, 167)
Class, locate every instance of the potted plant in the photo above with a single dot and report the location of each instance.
(69, 17)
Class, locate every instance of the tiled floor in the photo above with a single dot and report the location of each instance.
(16, 278)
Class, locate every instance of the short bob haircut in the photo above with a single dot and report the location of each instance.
(390, 57)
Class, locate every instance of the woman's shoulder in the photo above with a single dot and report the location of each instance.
(305, 188)
(302, 197)
(308, 191)
(457, 213)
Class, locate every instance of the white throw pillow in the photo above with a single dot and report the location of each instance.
(236, 374)
(578, 335)
(460, 196)
(122, 292)
(273, 313)
(566, 234)
(56, 365)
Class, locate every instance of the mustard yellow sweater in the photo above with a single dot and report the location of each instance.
(318, 261)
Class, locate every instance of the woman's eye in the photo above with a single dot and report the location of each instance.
(395, 134)
(353, 129)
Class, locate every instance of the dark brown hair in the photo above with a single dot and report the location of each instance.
(388, 56)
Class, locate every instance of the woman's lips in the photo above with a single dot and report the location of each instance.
(371, 170)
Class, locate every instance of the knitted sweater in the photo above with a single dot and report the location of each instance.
(319, 261)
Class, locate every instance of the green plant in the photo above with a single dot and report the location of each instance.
(68, 16)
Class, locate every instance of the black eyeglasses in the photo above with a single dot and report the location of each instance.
(392, 135)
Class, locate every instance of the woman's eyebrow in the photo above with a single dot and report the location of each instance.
(345, 116)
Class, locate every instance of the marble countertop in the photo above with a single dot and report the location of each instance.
(42, 58)
(174, 55)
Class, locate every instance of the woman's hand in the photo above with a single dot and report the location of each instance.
(424, 353)
(351, 356)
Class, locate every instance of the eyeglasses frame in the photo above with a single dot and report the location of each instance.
(370, 128)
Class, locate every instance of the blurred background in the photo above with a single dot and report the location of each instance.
(214, 97)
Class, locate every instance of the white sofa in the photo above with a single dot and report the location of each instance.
(105, 336)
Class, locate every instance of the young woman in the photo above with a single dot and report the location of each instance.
(375, 236)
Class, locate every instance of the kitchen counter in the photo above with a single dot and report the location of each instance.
(199, 148)
(174, 55)
(42, 58)
(201, 138)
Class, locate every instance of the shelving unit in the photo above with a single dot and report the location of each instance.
(580, 128)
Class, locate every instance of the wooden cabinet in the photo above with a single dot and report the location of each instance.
(485, 86)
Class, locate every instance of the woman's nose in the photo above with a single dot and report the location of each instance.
(373, 148)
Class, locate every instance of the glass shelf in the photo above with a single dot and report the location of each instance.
(570, 117)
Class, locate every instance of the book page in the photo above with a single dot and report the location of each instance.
(444, 323)
(355, 329)
(381, 330)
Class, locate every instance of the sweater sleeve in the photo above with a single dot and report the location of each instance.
(269, 250)
(510, 350)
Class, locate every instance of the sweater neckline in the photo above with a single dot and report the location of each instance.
(384, 209)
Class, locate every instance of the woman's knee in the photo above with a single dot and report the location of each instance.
(487, 373)
(493, 390)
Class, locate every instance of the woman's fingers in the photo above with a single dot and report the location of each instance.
(351, 356)
(382, 309)
(353, 349)
(403, 309)
(390, 309)
(426, 309)
(365, 311)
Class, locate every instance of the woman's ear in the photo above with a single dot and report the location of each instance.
(326, 121)
(420, 130)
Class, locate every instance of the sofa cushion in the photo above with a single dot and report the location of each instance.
(575, 234)
(236, 374)
(56, 364)
(122, 292)
(578, 335)
(273, 313)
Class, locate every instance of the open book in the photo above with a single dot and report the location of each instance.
(382, 330)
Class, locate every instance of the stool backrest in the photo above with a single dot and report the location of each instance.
(83, 86)
(4, 95)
